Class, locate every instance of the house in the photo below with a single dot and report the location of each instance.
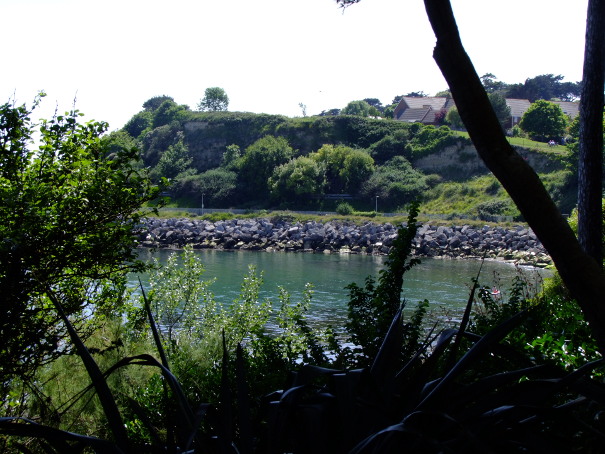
(517, 108)
(424, 109)
(421, 109)
(571, 109)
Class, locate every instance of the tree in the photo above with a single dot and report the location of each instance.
(389, 146)
(259, 161)
(544, 120)
(174, 160)
(169, 112)
(230, 156)
(453, 119)
(153, 103)
(215, 100)
(416, 94)
(139, 123)
(299, 178)
(590, 165)
(216, 186)
(491, 83)
(580, 272)
(345, 168)
(500, 107)
(330, 113)
(545, 86)
(360, 109)
(375, 102)
(69, 212)
(397, 183)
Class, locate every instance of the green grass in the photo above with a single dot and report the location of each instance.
(526, 143)
(464, 198)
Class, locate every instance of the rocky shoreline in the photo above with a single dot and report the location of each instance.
(518, 244)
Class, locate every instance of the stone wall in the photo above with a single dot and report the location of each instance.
(517, 244)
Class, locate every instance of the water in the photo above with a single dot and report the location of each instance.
(444, 282)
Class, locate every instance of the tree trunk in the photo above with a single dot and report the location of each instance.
(590, 164)
(579, 271)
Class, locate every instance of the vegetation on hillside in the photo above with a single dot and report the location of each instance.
(243, 160)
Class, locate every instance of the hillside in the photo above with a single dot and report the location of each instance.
(245, 160)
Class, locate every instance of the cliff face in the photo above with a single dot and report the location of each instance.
(206, 144)
(459, 162)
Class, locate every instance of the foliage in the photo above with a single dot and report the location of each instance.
(155, 102)
(230, 156)
(180, 300)
(389, 146)
(215, 100)
(360, 109)
(545, 87)
(466, 197)
(454, 120)
(139, 124)
(296, 180)
(486, 210)
(429, 139)
(344, 209)
(375, 102)
(372, 308)
(174, 160)
(218, 186)
(345, 168)
(544, 121)
(554, 331)
(570, 159)
(397, 183)
(69, 211)
(169, 112)
(256, 165)
(361, 132)
(156, 141)
(492, 84)
(501, 109)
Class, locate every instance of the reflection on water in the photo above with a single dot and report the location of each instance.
(444, 282)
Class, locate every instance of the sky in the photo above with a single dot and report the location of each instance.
(108, 57)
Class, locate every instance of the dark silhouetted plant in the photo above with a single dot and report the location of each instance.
(371, 308)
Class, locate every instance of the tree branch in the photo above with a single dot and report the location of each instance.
(580, 273)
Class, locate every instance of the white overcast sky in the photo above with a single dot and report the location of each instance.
(268, 55)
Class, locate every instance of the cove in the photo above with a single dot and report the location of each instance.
(444, 282)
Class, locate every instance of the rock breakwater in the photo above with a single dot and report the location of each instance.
(516, 244)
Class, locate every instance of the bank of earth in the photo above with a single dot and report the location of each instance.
(515, 244)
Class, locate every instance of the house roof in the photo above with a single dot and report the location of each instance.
(420, 109)
(413, 115)
(572, 109)
(436, 103)
(423, 109)
(517, 106)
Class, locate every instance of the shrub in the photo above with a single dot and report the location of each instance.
(491, 208)
(344, 209)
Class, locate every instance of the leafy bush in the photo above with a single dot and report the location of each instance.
(544, 120)
(371, 309)
(429, 139)
(396, 183)
(344, 209)
(491, 208)
(217, 185)
(389, 146)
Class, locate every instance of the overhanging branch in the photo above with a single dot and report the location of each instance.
(580, 272)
